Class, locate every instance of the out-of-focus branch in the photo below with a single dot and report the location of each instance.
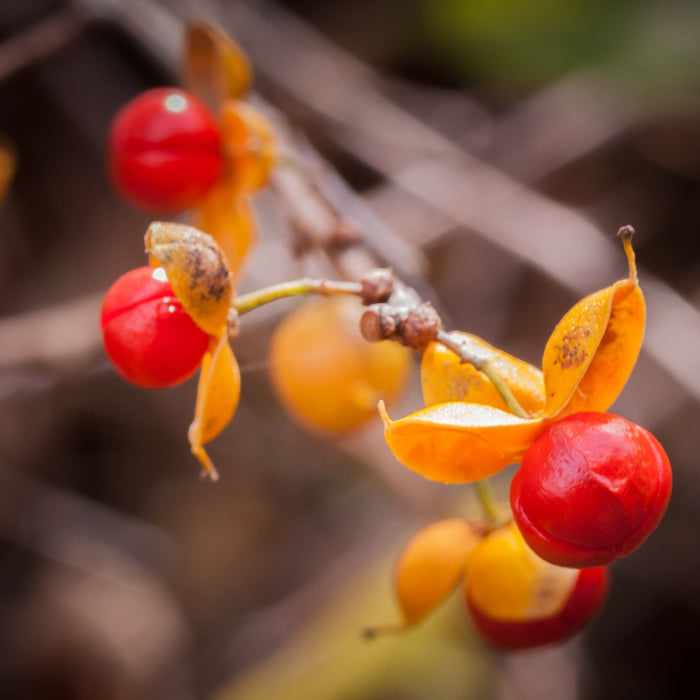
(66, 334)
(40, 41)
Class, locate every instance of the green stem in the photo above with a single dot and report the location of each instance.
(501, 387)
(247, 302)
(488, 503)
(485, 367)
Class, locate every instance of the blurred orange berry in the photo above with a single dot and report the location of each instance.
(327, 376)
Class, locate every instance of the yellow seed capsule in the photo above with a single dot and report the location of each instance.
(508, 581)
(431, 566)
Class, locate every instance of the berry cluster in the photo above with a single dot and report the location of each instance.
(591, 485)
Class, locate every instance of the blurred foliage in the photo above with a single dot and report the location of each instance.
(327, 659)
(643, 43)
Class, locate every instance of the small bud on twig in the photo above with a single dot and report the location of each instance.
(413, 326)
(377, 286)
(420, 327)
(378, 322)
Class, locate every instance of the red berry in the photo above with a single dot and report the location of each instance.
(165, 150)
(147, 334)
(591, 488)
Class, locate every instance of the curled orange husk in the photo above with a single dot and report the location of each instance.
(592, 351)
(445, 378)
(218, 393)
(432, 565)
(215, 67)
(250, 146)
(459, 442)
(230, 221)
(197, 271)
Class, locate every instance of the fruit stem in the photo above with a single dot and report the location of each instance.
(487, 501)
(483, 366)
(626, 233)
(247, 302)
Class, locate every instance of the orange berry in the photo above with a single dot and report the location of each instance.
(326, 375)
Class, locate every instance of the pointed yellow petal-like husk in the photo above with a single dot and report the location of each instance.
(215, 67)
(218, 393)
(431, 566)
(444, 378)
(459, 442)
(591, 353)
(197, 271)
(230, 221)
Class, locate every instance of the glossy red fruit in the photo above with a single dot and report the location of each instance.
(165, 150)
(590, 489)
(147, 334)
(516, 600)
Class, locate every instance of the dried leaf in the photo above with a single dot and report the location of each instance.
(432, 565)
(230, 220)
(506, 580)
(250, 145)
(197, 271)
(592, 351)
(215, 67)
(217, 398)
(459, 442)
(444, 378)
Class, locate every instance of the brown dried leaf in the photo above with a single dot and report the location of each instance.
(197, 271)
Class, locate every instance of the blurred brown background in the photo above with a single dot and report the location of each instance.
(496, 147)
